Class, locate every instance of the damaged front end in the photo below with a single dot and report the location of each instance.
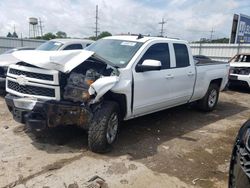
(77, 93)
(43, 114)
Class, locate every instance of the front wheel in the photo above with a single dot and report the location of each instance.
(210, 100)
(103, 129)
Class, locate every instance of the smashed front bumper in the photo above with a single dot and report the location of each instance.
(42, 114)
(241, 80)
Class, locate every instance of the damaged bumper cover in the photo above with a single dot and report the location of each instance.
(42, 114)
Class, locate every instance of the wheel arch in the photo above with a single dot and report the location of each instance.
(217, 82)
(120, 99)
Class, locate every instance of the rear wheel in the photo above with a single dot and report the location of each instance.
(210, 100)
(104, 127)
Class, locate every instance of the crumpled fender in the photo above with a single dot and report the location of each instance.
(7, 59)
(102, 86)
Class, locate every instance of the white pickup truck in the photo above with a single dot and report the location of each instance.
(116, 78)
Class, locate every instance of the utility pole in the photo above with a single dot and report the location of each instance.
(96, 22)
(211, 34)
(22, 39)
(162, 26)
(41, 27)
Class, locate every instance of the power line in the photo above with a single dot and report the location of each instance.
(211, 33)
(162, 25)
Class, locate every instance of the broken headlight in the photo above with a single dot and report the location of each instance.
(77, 86)
(76, 89)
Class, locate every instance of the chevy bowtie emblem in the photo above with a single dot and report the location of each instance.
(22, 80)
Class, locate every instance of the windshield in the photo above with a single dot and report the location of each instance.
(50, 46)
(118, 52)
(241, 59)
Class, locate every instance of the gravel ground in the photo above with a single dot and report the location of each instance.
(179, 147)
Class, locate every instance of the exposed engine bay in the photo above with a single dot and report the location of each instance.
(80, 79)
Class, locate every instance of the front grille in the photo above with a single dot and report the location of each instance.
(241, 71)
(31, 74)
(31, 90)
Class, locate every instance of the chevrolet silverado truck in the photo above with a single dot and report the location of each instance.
(7, 58)
(240, 70)
(116, 78)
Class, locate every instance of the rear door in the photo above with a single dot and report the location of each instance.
(183, 75)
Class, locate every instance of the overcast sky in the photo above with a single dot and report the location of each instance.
(186, 19)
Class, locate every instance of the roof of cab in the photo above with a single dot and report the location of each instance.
(143, 39)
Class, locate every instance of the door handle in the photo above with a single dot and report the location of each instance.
(190, 74)
(169, 76)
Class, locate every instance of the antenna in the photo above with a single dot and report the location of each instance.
(96, 22)
(140, 36)
(162, 25)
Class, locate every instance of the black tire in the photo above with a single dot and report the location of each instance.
(237, 176)
(2, 92)
(100, 134)
(210, 100)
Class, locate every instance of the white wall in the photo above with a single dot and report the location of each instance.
(7, 43)
(220, 52)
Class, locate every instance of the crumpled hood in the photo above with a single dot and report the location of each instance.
(63, 61)
(238, 64)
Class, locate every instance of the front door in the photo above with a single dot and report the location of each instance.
(151, 88)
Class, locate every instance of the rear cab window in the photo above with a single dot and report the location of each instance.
(181, 55)
(73, 47)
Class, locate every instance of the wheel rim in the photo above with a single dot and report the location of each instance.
(212, 98)
(112, 128)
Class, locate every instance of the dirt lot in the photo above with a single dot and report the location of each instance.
(180, 147)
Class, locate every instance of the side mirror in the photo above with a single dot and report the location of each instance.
(148, 65)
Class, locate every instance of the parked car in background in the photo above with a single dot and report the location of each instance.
(239, 171)
(116, 78)
(202, 59)
(18, 49)
(240, 70)
(7, 58)
(64, 44)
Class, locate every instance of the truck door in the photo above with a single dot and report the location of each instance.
(183, 75)
(151, 88)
